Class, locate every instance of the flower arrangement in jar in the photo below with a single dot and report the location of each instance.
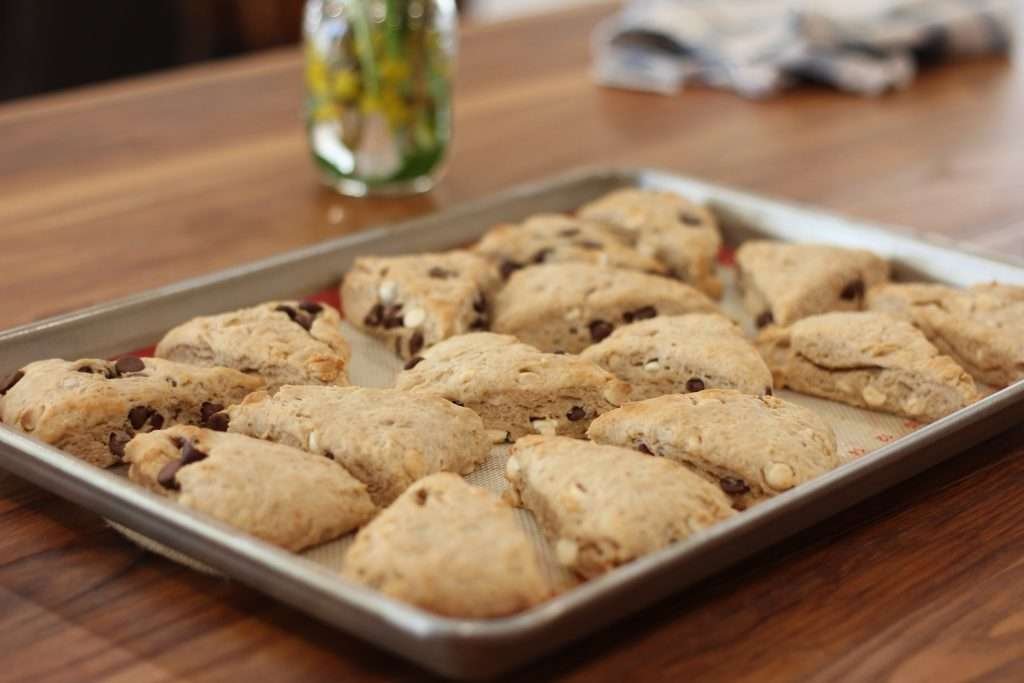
(378, 84)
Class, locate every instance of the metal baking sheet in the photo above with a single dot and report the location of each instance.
(477, 648)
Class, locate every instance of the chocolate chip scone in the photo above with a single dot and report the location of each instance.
(557, 238)
(450, 548)
(604, 506)
(385, 438)
(982, 328)
(413, 302)
(284, 342)
(280, 494)
(784, 282)
(678, 354)
(753, 447)
(91, 408)
(867, 359)
(515, 388)
(569, 306)
(674, 230)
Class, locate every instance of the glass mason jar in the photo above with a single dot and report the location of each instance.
(379, 92)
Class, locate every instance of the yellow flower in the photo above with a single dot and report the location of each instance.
(346, 85)
(324, 110)
(369, 103)
(395, 108)
(316, 74)
(393, 70)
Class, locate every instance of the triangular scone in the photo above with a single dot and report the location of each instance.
(515, 388)
(557, 238)
(415, 301)
(982, 328)
(784, 282)
(91, 408)
(280, 494)
(569, 306)
(284, 342)
(450, 548)
(753, 447)
(867, 359)
(386, 438)
(674, 230)
(604, 506)
(677, 354)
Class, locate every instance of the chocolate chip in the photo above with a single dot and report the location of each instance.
(375, 317)
(541, 255)
(440, 273)
(599, 329)
(415, 342)
(508, 267)
(207, 410)
(569, 232)
(166, 475)
(129, 364)
(392, 316)
(733, 486)
(644, 449)
(575, 414)
(138, 415)
(85, 368)
(177, 441)
(764, 319)
(480, 303)
(694, 384)
(421, 496)
(458, 403)
(116, 443)
(413, 362)
(218, 422)
(191, 454)
(11, 380)
(301, 319)
(592, 245)
(689, 218)
(854, 290)
(287, 310)
(156, 421)
(768, 391)
(478, 324)
(311, 307)
(329, 455)
(642, 313)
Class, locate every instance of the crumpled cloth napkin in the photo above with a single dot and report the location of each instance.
(759, 47)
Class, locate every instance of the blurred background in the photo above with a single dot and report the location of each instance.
(48, 45)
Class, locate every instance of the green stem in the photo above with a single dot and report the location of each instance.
(364, 46)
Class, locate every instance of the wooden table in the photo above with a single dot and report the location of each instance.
(110, 190)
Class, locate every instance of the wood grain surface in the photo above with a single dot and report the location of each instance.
(107, 191)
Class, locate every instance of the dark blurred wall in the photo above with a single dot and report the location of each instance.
(53, 44)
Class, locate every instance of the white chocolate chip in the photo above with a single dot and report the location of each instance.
(545, 427)
(313, 443)
(873, 397)
(512, 468)
(652, 366)
(387, 291)
(566, 551)
(414, 317)
(780, 476)
(573, 314)
(497, 435)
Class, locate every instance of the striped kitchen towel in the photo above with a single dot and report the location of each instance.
(759, 47)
